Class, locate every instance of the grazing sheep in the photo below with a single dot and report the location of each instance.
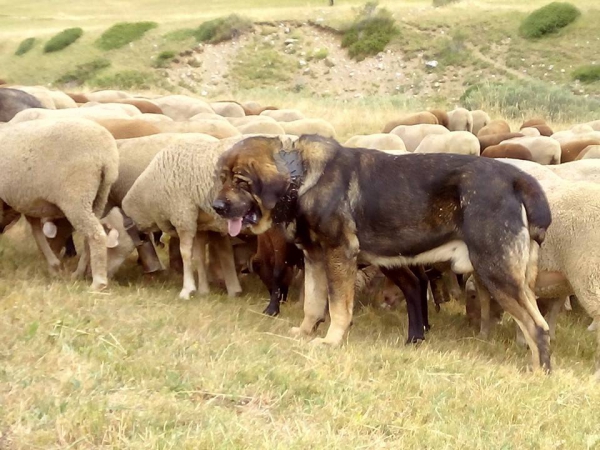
(228, 109)
(239, 121)
(261, 127)
(538, 124)
(459, 142)
(144, 106)
(182, 107)
(309, 126)
(209, 116)
(530, 131)
(495, 139)
(441, 116)
(590, 152)
(218, 128)
(255, 108)
(460, 119)
(107, 96)
(175, 194)
(380, 141)
(130, 110)
(480, 120)
(580, 134)
(423, 117)
(78, 98)
(494, 127)
(128, 128)
(83, 113)
(412, 135)
(508, 150)
(283, 115)
(570, 151)
(61, 100)
(152, 118)
(544, 130)
(594, 125)
(39, 92)
(13, 101)
(53, 169)
(533, 122)
(544, 150)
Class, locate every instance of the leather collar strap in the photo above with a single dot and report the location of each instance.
(285, 209)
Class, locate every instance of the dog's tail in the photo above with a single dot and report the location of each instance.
(536, 206)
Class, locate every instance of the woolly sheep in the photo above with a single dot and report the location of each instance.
(530, 131)
(494, 127)
(83, 160)
(39, 92)
(175, 194)
(594, 125)
(480, 120)
(209, 116)
(283, 115)
(107, 96)
(83, 113)
(261, 127)
(424, 117)
(544, 150)
(228, 109)
(239, 121)
(590, 152)
(495, 139)
(128, 128)
(309, 126)
(460, 119)
(570, 151)
(412, 135)
(508, 150)
(567, 136)
(78, 97)
(182, 107)
(538, 124)
(218, 128)
(61, 100)
(154, 118)
(459, 142)
(254, 108)
(380, 141)
(144, 106)
(441, 116)
(130, 110)
(13, 101)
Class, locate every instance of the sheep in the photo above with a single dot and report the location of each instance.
(39, 92)
(13, 101)
(83, 113)
(412, 135)
(420, 118)
(530, 131)
(544, 150)
(175, 194)
(209, 116)
(459, 142)
(61, 100)
(480, 120)
(152, 118)
(441, 116)
(538, 124)
(570, 151)
(590, 152)
(144, 106)
(255, 108)
(53, 169)
(460, 119)
(508, 150)
(130, 110)
(594, 125)
(261, 127)
(128, 128)
(228, 109)
(381, 141)
(182, 107)
(495, 139)
(309, 126)
(107, 96)
(579, 134)
(494, 127)
(239, 121)
(78, 97)
(283, 115)
(217, 128)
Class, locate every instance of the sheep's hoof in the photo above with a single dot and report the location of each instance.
(186, 294)
(271, 310)
(99, 286)
(235, 294)
(320, 342)
(299, 332)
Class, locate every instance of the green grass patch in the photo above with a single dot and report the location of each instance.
(370, 33)
(123, 33)
(83, 72)
(164, 58)
(453, 51)
(517, 99)
(587, 74)
(25, 46)
(320, 54)
(548, 19)
(127, 79)
(222, 29)
(261, 67)
(63, 40)
(180, 35)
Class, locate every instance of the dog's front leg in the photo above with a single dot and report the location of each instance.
(340, 268)
(315, 293)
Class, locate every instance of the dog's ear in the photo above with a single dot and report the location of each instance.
(268, 183)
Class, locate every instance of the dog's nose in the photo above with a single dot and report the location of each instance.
(220, 206)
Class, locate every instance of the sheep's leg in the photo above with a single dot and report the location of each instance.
(225, 254)
(199, 257)
(175, 262)
(42, 243)
(186, 243)
(552, 315)
(84, 261)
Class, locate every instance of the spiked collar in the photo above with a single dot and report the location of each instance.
(285, 209)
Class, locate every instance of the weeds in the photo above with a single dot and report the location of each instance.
(63, 40)
(222, 29)
(587, 74)
(25, 46)
(548, 19)
(127, 79)
(83, 72)
(123, 33)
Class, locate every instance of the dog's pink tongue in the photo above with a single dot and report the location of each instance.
(234, 226)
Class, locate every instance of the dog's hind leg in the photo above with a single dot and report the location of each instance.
(315, 293)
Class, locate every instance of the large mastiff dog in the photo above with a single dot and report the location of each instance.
(341, 205)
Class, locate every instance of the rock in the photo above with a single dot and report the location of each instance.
(431, 64)
(329, 62)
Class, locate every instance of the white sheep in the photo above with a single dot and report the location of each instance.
(378, 141)
(107, 96)
(412, 135)
(71, 113)
(240, 121)
(460, 119)
(480, 120)
(459, 142)
(261, 127)
(309, 126)
(590, 152)
(530, 131)
(228, 109)
(594, 125)
(130, 110)
(209, 116)
(544, 150)
(53, 169)
(182, 107)
(218, 128)
(283, 115)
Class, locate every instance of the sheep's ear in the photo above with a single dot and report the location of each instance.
(112, 239)
(49, 230)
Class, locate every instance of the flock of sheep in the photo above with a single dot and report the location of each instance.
(121, 170)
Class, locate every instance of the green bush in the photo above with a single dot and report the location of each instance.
(261, 67)
(123, 33)
(548, 19)
(164, 58)
(25, 46)
(180, 35)
(83, 72)
(518, 99)
(63, 39)
(370, 33)
(438, 3)
(127, 79)
(222, 29)
(587, 74)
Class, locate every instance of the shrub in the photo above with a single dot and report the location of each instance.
(127, 79)
(83, 72)
(370, 32)
(548, 19)
(453, 51)
(222, 29)
(123, 33)
(587, 74)
(25, 46)
(261, 67)
(515, 100)
(180, 35)
(438, 3)
(164, 58)
(322, 53)
(63, 39)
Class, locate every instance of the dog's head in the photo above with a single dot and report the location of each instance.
(252, 183)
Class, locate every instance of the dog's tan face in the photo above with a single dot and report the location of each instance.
(252, 184)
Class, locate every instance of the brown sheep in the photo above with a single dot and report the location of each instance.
(441, 116)
(78, 98)
(495, 139)
(2, 82)
(533, 122)
(540, 125)
(145, 106)
(494, 127)
(590, 152)
(128, 128)
(570, 150)
(513, 151)
(254, 108)
(424, 117)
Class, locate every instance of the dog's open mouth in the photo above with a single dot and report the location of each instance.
(235, 225)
